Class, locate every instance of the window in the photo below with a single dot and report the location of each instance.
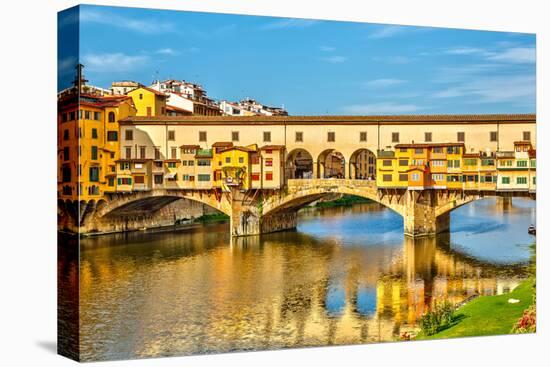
(124, 181)
(487, 162)
(470, 162)
(66, 174)
(158, 179)
(142, 151)
(403, 150)
(438, 163)
(97, 116)
(227, 159)
(64, 117)
(203, 162)
(521, 180)
(203, 177)
(255, 158)
(427, 137)
(363, 136)
(255, 176)
(128, 135)
(72, 115)
(269, 162)
(241, 160)
(94, 174)
(267, 136)
(403, 177)
(111, 116)
(190, 163)
(139, 179)
(460, 136)
(234, 136)
(331, 136)
(149, 111)
(171, 135)
(157, 153)
(386, 178)
(437, 177)
(493, 136)
(202, 135)
(65, 134)
(403, 162)
(395, 137)
(173, 152)
(534, 180)
(94, 133)
(269, 151)
(184, 163)
(299, 137)
(418, 151)
(87, 115)
(128, 152)
(522, 163)
(386, 162)
(533, 163)
(111, 181)
(140, 96)
(415, 177)
(124, 166)
(269, 176)
(171, 164)
(112, 135)
(94, 152)
(527, 135)
(506, 180)
(438, 150)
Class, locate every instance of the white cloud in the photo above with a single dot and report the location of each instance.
(166, 51)
(147, 26)
(465, 51)
(67, 65)
(113, 62)
(387, 31)
(389, 108)
(382, 83)
(335, 59)
(289, 23)
(519, 55)
(327, 49)
(497, 89)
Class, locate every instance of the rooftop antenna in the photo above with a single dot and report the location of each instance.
(79, 81)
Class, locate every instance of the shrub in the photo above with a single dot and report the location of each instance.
(440, 316)
(528, 322)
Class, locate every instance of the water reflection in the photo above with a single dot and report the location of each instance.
(345, 276)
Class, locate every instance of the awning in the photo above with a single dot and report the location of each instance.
(170, 175)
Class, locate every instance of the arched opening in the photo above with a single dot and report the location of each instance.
(331, 164)
(362, 165)
(111, 116)
(299, 164)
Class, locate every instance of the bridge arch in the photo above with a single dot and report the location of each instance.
(304, 192)
(151, 201)
(299, 164)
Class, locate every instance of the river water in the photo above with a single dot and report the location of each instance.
(346, 275)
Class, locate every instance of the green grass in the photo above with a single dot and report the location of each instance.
(346, 200)
(488, 315)
(214, 217)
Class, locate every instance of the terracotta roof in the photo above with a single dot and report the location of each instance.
(274, 147)
(222, 144)
(345, 120)
(522, 142)
(177, 109)
(428, 145)
(189, 146)
(242, 149)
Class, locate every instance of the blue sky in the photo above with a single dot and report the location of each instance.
(311, 67)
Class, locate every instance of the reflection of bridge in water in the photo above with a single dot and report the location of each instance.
(252, 212)
(267, 292)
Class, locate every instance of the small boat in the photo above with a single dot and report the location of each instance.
(532, 230)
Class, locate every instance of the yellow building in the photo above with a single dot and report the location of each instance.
(233, 166)
(88, 141)
(148, 102)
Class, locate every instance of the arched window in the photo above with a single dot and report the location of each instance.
(111, 116)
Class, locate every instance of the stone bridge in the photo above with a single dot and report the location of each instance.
(252, 212)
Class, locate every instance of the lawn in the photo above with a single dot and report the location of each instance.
(488, 315)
